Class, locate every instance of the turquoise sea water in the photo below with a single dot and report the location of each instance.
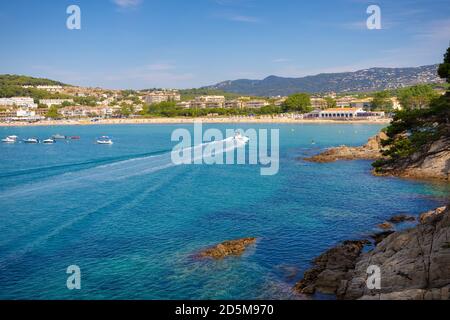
(133, 223)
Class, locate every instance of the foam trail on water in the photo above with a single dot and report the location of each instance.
(115, 171)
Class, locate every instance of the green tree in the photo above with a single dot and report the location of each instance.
(382, 101)
(444, 67)
(417, 97)
(53, 112)
(66, 104)
(331, 103)
(300, 102)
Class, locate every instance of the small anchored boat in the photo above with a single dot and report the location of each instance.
(58, 137)
(49, 141)
(31, 140)
(10, 139)
(104, 140)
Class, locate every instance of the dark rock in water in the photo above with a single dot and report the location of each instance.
(380, 236)
(289, 272)
(330, 268)
(228, 248)
(401, 218)
(385, 225)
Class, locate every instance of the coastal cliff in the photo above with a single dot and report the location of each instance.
(414, 264)
(431, 162)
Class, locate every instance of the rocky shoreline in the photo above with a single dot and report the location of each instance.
(431, 163)
(414, 264)
(372, 150)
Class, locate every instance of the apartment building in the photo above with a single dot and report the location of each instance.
(161, 96)
(344, 101)
(26, 102)
(318, 103)
(235, 104)
(54, 102)
(255, 103)
(208, 102)
(85, 111)
(361, 103)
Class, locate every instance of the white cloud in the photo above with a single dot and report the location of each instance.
(127, 3)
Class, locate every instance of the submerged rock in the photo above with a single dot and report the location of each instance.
(228, 248)
(401, 218)
(385, 225)
(371, 150)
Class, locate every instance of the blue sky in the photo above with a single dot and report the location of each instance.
(189, 43)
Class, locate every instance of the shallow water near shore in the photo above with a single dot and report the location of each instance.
(133, 222)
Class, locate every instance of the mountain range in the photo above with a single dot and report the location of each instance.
(373, 79)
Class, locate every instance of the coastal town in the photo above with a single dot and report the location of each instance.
(73, 104)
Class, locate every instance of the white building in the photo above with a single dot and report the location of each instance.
(22, 113)
(54, 102)
(341, 113)
(50, 88)
(26, 102)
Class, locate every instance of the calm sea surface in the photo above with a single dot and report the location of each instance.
(133, 222)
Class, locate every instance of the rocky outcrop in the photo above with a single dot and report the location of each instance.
(330, 268)
(414, 264)
(228, 248)
(431, 162)
(429, 216)
(370, 151)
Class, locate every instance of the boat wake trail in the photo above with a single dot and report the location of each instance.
(115, 171)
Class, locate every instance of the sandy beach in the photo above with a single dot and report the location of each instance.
(190, 120)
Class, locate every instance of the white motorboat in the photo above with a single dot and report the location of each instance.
(104, 140)
(58, 136)
(240, 139)
(31, 140)
(48, 141)
(10, 139)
